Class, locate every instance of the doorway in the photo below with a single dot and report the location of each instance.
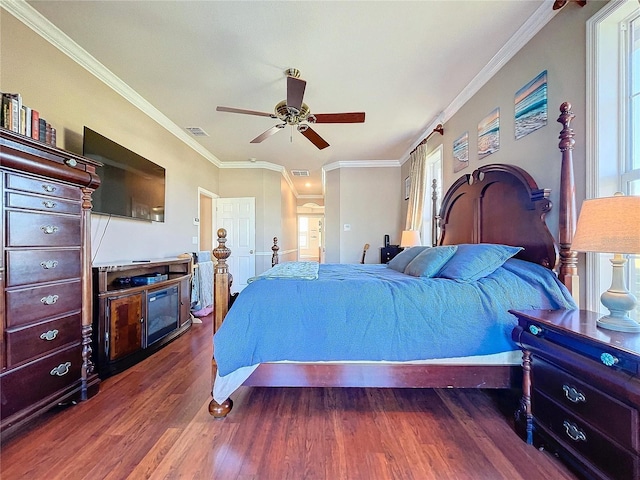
(310, 233)
(238, 217)
(205, 220)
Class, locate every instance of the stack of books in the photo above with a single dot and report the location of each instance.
(25, 120)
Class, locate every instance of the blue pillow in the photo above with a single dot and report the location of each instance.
(475, 261)
(400, 261)
(429, 262)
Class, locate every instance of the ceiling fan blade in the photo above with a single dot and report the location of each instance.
(313, 137)
(353, 117)
(246, 112)
(268, 133)
(295, 92)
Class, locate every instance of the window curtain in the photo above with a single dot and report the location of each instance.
(417, 190)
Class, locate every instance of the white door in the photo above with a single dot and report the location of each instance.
(238, 217)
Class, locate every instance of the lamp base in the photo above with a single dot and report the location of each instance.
(619, 324)
(618, 300)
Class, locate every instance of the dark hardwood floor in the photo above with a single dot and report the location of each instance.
(151, 421)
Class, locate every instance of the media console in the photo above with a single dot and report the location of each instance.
(138, 308)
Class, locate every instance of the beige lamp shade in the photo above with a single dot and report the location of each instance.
(609, 225)
(410, 238)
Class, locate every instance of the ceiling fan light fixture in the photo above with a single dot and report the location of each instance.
(292, 72)
(290, 115)
(293, 111)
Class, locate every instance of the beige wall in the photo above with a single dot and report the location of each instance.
(289, 232)
(69, 98)
(367, 200)
(559, 48)
(332, 227)
(275, 210)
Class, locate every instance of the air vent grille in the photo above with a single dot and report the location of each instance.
(197, 132)
(300, 173)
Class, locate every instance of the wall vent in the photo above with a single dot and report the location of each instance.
(300, 173)
(197, 132)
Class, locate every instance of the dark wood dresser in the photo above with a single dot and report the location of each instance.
(581, 391)
(45, 272)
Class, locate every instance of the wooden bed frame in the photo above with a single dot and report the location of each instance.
(473, 211)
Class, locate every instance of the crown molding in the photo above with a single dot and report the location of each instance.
(56, 37)
(360, 164)
(310, 197)
(523, 35)
(263, 166)
(43, 27)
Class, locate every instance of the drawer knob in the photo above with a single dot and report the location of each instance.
(49, 299)
(48, 188)
(49, 264)
(48, 204)
(608, 359)
(49, 229)
(61, 369)
(50, 335)
(534, 329)
(573, 395)
(71, 162)
(573, 432)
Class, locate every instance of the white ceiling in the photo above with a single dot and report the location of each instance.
(403, 63)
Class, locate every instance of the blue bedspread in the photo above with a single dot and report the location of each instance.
(371, 312)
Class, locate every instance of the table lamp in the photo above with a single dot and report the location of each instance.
(410, 238)
(612, 225)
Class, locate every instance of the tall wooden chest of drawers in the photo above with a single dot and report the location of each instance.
(581, 391)
(45, 272)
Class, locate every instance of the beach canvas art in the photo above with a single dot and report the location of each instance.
(489, 134)
(461, 152)
(531, 106)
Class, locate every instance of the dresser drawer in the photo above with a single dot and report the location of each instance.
(38, 266)
(42, 230)
(620, 421)
(33, 341)
(44, 187)
(32, 202)
(28, 305)
(37, 380)
(580, 437)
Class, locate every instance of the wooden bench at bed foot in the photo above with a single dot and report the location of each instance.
(220, 410)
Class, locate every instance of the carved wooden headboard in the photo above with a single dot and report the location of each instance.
(499, 204)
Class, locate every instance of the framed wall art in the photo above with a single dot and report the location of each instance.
(489, 134)
(531, 106)
(461, 152)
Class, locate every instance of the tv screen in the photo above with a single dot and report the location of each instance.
(131, 186)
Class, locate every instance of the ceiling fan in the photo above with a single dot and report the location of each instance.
(294, 112)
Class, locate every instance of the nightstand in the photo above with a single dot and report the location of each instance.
(581, 391)
(387, 253)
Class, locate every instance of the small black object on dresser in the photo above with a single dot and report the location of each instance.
(387, 253)
(581, 391)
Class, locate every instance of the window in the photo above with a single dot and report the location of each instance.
(434, 172)
(303, 232)
(613, 126)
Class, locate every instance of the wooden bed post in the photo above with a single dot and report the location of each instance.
(568, 272)
(221, 298)
(220, 280)
(274, 249)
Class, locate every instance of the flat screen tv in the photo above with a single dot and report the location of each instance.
(131, 186)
